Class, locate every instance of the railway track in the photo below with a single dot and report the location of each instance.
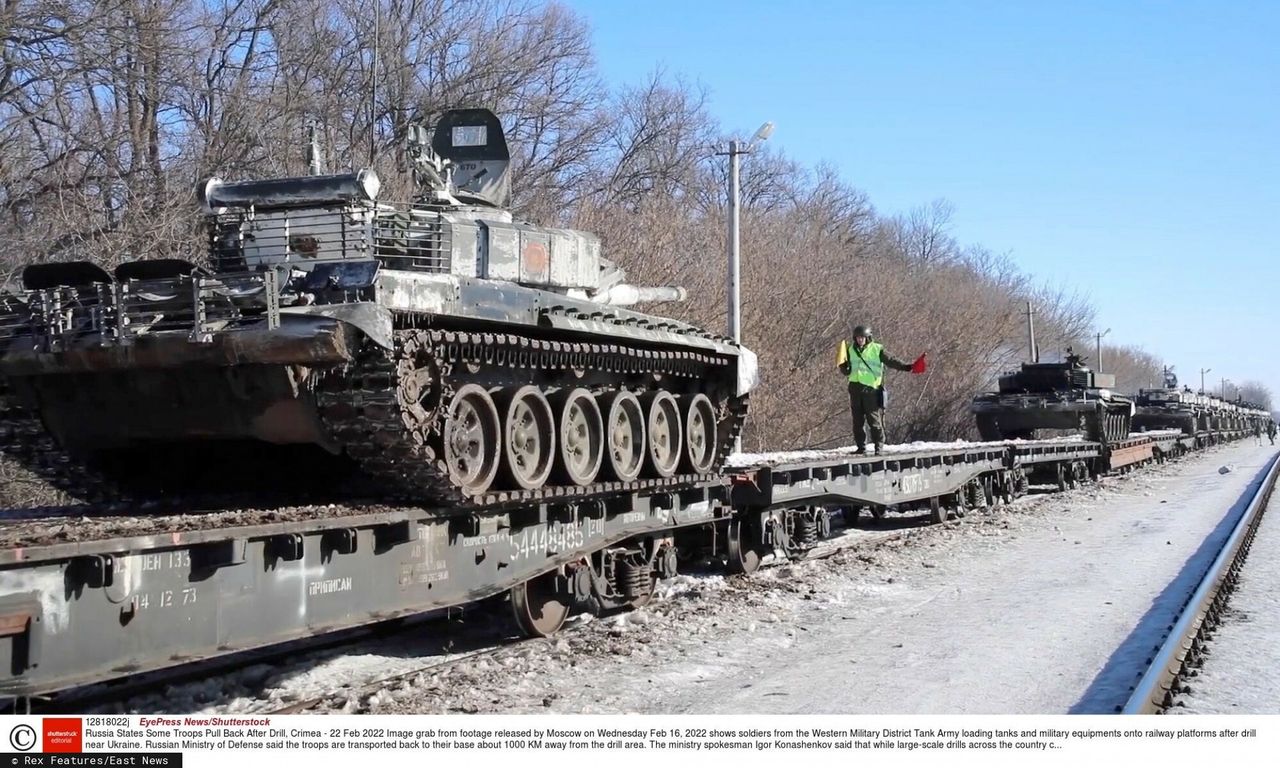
(1181, 654)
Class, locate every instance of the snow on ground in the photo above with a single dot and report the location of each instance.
(1049, 605)
(1242, 671)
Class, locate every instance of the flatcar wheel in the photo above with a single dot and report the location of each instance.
(665, 434)
(743, 556)
(581, 437)
(937, 512)
(823, 519)
(699, 434)
(529, 438)
(624, 436)
(471, 439)
(538, 610)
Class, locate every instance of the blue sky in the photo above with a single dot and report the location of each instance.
(1130, 150)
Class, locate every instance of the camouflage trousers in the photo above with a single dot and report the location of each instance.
(864, 404)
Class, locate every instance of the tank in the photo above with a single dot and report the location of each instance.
(438, 349)
(1167, 407)
(1054, 396)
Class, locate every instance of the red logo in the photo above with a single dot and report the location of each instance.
(63, 734)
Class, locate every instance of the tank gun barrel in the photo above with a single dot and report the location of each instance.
(625, 294)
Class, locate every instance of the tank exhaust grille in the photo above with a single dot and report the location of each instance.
(400, 236)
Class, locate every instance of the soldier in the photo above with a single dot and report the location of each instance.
(1271, 431)
(863, 363)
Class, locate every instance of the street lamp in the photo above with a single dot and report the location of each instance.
(736, 149)
(1100, 335)
(1203, 371)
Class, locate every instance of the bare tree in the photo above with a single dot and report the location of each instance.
(112, 110)
(1133, 367)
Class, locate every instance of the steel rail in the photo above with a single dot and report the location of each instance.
(1184, 644)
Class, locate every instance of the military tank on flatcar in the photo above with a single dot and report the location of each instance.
(454, 353)
(1054, 396)
(1166, 407)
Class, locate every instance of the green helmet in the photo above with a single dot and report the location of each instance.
(862, 330)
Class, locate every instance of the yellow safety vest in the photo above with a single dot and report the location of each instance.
(866, 368)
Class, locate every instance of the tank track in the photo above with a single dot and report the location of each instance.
(394, 441)
(1109, 426)
(389, 417)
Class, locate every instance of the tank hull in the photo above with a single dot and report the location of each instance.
(1164, 418)
(1011, 417)
(376, 382)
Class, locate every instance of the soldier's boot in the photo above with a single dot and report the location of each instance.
(879, 448)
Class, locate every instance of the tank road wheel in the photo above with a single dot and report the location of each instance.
(699, 435)
(665, 434)
(528, 438)
(624, 436)
(581, 437)
(539, 610)
(471, 438)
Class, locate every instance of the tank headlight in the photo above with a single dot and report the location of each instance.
(369, 183)
(206, 191)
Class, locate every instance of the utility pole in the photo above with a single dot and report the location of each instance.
(1203, 371)
(1100, 335)
(1031, 335)
(735, 307)
(736, 150)
(373, 83)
